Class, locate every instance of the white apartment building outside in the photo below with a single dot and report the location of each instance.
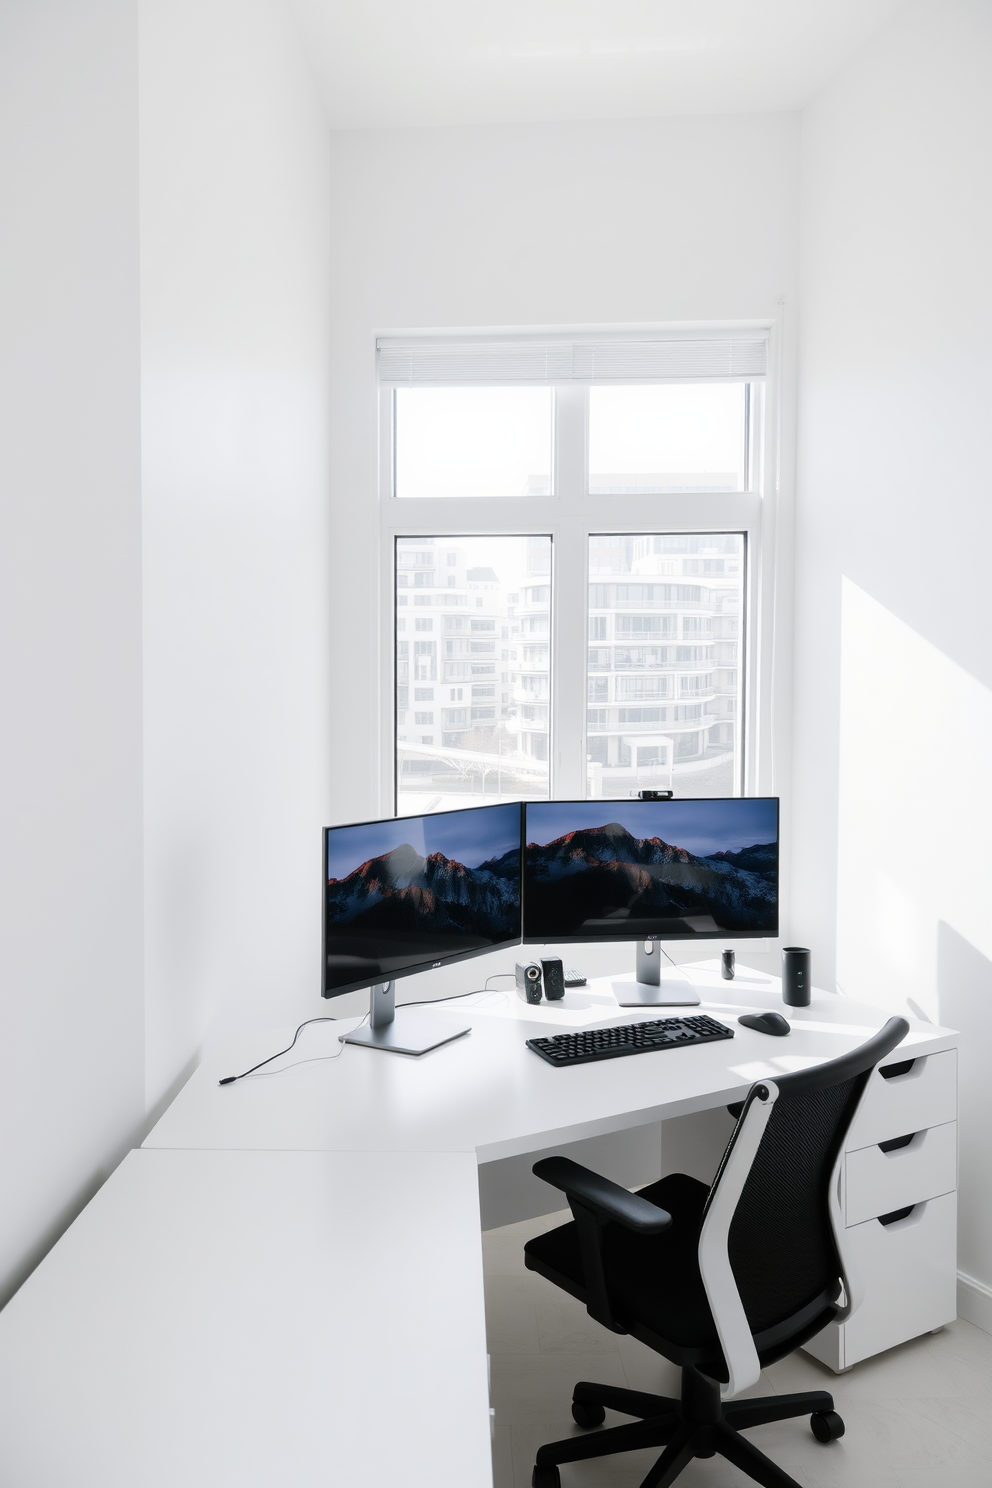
(473, 666)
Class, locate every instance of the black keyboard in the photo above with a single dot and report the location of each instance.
(628, 1038)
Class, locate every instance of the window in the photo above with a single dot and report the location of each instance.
(638, 625)
(425, 661)
(675, 671)
(691, 437)
(485, 752)
(473, 442)
(577, 521)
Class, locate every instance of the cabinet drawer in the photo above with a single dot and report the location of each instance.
(926, 1095)
(878, 1182)
(909, 1273)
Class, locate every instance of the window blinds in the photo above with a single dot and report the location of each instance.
(456, 363)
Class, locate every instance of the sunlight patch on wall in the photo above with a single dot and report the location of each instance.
(915, 813)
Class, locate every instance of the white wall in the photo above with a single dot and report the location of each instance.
(71, 1080)
(893, 713)
(165, 712)
(234, 357)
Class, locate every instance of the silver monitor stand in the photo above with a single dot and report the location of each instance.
(402, 1030)
(658, 983)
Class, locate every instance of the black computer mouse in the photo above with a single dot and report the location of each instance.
(772, 1023)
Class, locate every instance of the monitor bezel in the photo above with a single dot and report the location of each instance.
(432, 963)
(630, 939)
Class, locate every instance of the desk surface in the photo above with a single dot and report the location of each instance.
(215, 1319)
(488, 1093)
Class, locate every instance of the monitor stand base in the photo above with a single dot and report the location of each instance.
(415, 1034)
(398, 1031)
(672, 993)
(655, 984)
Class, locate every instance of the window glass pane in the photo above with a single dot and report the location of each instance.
(473, 441)
(672, 437)
(473, 671)
(666, 613)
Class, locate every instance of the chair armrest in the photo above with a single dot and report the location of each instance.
(607, 1200)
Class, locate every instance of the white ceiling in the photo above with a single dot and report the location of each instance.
(382, 63)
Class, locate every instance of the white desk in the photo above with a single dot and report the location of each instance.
(281, 1287)
(488, 1094)
(255, 1320)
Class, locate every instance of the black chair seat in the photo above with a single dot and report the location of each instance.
(656, 1290)
(654, 1279)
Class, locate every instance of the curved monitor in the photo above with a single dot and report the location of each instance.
(646, 870)
(411, 893)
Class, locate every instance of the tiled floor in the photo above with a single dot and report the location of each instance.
(919, 1416)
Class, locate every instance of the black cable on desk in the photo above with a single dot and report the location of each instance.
(230, 1079)
(428, 1001)
(327, 1018)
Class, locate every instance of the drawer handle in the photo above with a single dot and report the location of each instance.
(894, 1143)
(893, 1071)
(896, 1215)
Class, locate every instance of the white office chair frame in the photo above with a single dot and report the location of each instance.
(733, 1329)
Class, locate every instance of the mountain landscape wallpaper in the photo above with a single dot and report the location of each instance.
(413, 890)
(627, 869)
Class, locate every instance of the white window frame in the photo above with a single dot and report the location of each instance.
(570, 516)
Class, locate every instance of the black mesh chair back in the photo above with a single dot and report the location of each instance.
(781, 1242)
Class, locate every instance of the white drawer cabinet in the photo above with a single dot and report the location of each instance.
(909, 1286)
(899, 1201)
(878, 1180)
(896, 1104)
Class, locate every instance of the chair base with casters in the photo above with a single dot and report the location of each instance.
(697, 1425)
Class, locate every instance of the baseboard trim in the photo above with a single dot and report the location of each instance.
(975, 1302)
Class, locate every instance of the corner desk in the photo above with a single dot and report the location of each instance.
(284, 1285)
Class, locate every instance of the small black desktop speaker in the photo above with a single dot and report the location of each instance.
(554, 979)
(795, 976)
(528, 974)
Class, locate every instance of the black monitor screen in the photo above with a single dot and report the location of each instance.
(630, 870)
(411, 892)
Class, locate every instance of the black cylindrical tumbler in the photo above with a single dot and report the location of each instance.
(795, 976)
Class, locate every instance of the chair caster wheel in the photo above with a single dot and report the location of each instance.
(584, 1413)
(827, 1426)
(545, 1477)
